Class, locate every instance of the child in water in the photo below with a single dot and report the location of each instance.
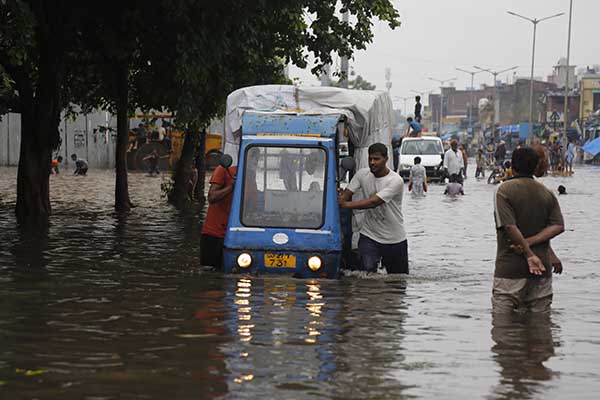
(454, 187)
(418, 178)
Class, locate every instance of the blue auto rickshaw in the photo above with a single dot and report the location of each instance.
(284, 216)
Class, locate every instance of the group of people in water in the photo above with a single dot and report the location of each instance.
(493, 156)
(81, 165)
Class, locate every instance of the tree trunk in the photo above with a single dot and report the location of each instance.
(122, 202)
(201, 167)
(33, 185)
(180, 195)
(40, 117)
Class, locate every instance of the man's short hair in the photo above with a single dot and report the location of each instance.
(378, 148)
(417, 160)
(73, 155)
(454, 178)
(524, 160)
(418, 98)
(409, 119)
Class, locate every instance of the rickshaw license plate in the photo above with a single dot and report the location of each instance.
(280, 260)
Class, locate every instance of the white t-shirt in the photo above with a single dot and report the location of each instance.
(384, 223)
(453, 161)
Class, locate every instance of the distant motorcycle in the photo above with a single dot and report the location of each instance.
(499, 174)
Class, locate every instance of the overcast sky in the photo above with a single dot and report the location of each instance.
(436, 36)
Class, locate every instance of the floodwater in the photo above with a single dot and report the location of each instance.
(101, 307)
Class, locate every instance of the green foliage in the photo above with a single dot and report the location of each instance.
(357, 84)
(183, 56)
(194, 53)
(16, 42)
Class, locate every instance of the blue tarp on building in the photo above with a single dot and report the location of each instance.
(509, 129)
(592, 147)
(523, 130)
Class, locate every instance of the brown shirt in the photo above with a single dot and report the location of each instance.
(529, 205)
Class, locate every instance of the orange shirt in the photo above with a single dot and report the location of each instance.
(54, 163)
(217, 216)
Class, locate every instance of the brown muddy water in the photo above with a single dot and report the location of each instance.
(102, 307)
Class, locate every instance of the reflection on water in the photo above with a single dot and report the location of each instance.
(102, 306)
(523, 343)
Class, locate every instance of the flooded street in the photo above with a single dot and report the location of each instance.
(103, 307)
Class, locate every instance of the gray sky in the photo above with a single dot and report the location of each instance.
(438, 35)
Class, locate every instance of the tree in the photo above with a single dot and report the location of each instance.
(34, 36)
(179, 55)
(111, 65)
(252, 45)
(357, 84)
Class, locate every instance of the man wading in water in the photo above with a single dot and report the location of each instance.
(382, 234)
(527, 216)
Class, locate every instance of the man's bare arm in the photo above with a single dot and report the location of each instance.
(555, 261)
(217, 193)
(344, 195)
(545, 234)
(371, 202)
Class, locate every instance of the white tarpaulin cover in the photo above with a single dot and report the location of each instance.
(369, 112)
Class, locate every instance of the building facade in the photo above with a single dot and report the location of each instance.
(589, 93)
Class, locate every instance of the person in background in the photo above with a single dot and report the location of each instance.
(418, 178)
(453, 161)
(220, 195)
(81, 165)
(480, 159)
(527, 216)
(490, 149)
(454, 187)
(418, 109)
(153, 158)
(570, 157)
(414, 128)
(465, 159)
(54, 165)
(507, 174)
(500, 153)
(396, 143)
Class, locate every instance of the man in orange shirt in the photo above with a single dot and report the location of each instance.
(220, 195)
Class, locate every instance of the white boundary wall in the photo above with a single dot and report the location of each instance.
(82, 136)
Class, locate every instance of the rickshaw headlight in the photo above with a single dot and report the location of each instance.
(315, 263)
(244, 260)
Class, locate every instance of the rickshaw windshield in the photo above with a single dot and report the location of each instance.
(284, 187)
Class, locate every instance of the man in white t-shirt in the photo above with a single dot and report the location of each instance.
(453, 160)
(382, 234)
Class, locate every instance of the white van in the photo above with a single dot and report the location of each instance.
(431, 151)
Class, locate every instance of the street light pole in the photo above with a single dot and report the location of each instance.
(566, 109)
(405, 99)
(534, 21)
(472, 73)
(496, 98)
(441, 82)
